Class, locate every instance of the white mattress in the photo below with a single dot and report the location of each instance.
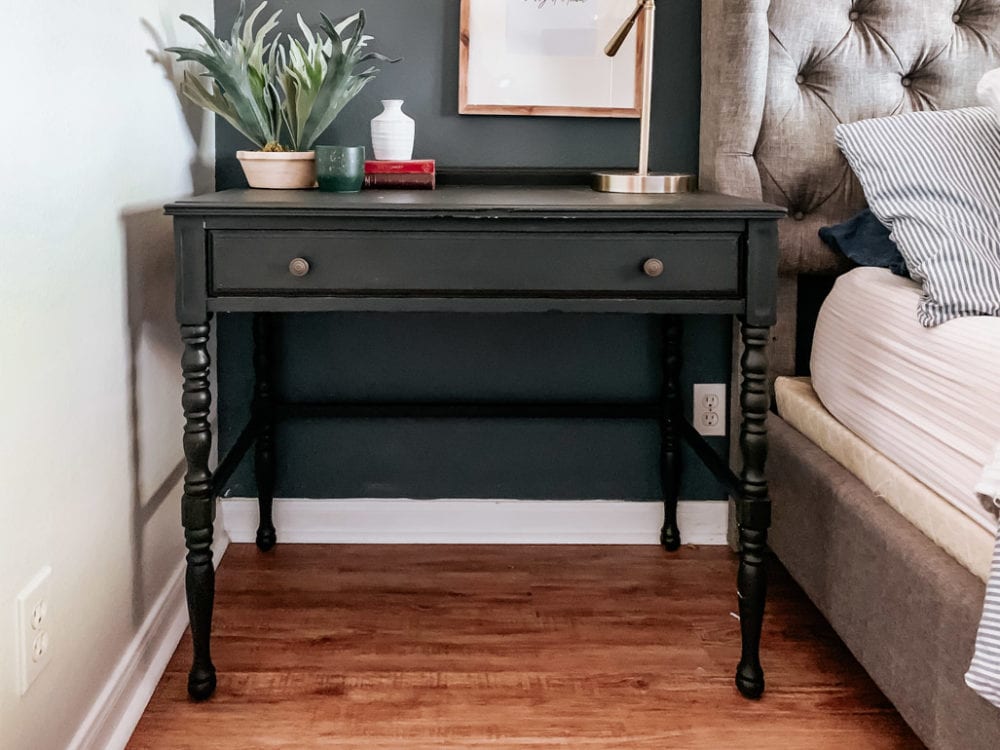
(941, 522)
(928, 399)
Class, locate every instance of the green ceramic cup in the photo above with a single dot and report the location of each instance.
(340, 169)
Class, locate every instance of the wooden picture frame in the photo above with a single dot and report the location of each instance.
(629, 58)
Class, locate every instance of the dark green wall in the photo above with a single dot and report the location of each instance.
(425, 32)
(477, 357)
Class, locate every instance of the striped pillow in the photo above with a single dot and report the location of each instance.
(988, 91)
(933, 178)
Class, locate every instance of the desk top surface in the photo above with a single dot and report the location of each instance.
(487, 201)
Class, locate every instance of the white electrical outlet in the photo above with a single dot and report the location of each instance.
(710, 408)
(33, 625)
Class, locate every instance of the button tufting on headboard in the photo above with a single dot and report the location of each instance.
(817, 64)
(779, 75)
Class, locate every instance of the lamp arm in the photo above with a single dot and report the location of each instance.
(616, 42)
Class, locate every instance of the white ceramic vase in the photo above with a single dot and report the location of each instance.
(393, 132)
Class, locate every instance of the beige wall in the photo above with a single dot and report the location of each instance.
(94, 142)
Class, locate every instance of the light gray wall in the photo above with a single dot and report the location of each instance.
(89, 376)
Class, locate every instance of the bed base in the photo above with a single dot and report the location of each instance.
(906, 610)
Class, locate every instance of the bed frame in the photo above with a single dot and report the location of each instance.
(777, 77)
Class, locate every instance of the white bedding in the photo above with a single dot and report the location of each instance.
(949, 528)
(927, 399)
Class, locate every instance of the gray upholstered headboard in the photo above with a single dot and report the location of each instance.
(779, 75)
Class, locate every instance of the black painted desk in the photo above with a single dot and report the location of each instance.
(474, 249)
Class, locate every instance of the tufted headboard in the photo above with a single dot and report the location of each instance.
(779, 75)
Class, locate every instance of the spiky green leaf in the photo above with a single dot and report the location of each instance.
(240, 74)
(215, 101)
(263, 87)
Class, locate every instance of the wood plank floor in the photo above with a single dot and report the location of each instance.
(405, 647)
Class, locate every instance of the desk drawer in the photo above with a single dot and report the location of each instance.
(256, 262)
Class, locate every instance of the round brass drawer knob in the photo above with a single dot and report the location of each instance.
(298, 267)
(653, 267)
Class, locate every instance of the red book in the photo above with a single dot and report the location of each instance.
(413, 166)
(401, 181)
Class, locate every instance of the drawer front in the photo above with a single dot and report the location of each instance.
(259, 262)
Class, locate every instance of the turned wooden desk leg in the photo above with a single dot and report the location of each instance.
(754, 513)
(264, 446)
(672, 412)
(198, 505)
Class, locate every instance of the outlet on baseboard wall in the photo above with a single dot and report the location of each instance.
(33, 625)
(709, 410)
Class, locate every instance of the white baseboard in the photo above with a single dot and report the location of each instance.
(475, 521)
(117, 710)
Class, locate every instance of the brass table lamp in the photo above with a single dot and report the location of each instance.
(642, 181)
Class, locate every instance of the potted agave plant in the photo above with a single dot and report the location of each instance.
(280, 96)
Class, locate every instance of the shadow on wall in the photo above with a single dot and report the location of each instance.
(154, 351)
(154, 344)
(197, 120)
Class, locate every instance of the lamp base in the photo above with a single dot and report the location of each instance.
(633, 182)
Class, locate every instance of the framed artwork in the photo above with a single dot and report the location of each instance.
(546, 57)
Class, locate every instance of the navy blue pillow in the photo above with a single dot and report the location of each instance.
(865, 240)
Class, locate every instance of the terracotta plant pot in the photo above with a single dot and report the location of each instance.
(279, 170)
